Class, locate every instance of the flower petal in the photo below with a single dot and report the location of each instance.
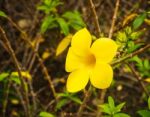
(73, 61)
(81, 42)
(101, 76)
(104, 49)
(77, 80)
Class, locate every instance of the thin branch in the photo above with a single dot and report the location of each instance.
(103, 92)
(102, 98)
(86, 97)
(138, 78)
(95, 18)
(45, 70)
(5, 100)
(131, 55)
(114, 19)
(11, 52)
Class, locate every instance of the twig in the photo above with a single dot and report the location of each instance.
(45, 70)
(5, 101)
(114, 19)
(131, 55)
(103, 92)
(102, 97)
(11, 52)
(20, 96)
(87, 95)
(95, 17)
(138, 78)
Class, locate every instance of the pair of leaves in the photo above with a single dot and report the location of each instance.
(111, 110)
(51, 22)
(74, 19)
(49, 6)
(67, 20)
(65, 99)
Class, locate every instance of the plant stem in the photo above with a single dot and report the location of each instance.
(95, 18)
(114, 19)
(87, 95)
(16, 63)
(45, 70)
(138, 78)
(131, 55)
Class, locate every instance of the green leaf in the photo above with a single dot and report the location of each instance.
(144, 113)
(74, 19)
(49, 20)
(111, 103)
(137, 34)
(3, 76)
(75, 99)
(2, 14)
(121, 37)
(146, 64)
(119, 107)
(61, 103)
(45, 114)
(63, 25)
(149, 103)
(47, 2)
(105, 108)
(121, 115)
(139, 21)
(42, 8)
(62, 95)
(128, 30)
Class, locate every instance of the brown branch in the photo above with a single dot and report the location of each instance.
(138, 78)
(103, 92)
(45, 70)
(95, 18)
(102, 98)
(131, 55)
(86, 97)
(114, 19)
(16, 63)
(5, 100)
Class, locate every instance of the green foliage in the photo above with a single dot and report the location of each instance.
(65, 98)
(49, 6)
(111, 110)
(144, 113)
(45, 114)
(74, 19)
(70, 19)
(3, 14)
(63, 25)
(125, 39)
(48, 23)
(139, 21)
(3, 76)
(142, 65)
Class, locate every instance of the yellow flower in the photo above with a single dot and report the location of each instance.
(89, 62)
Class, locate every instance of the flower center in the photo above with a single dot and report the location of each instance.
(90, 60)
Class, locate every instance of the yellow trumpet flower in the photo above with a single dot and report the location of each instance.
(89, 62)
